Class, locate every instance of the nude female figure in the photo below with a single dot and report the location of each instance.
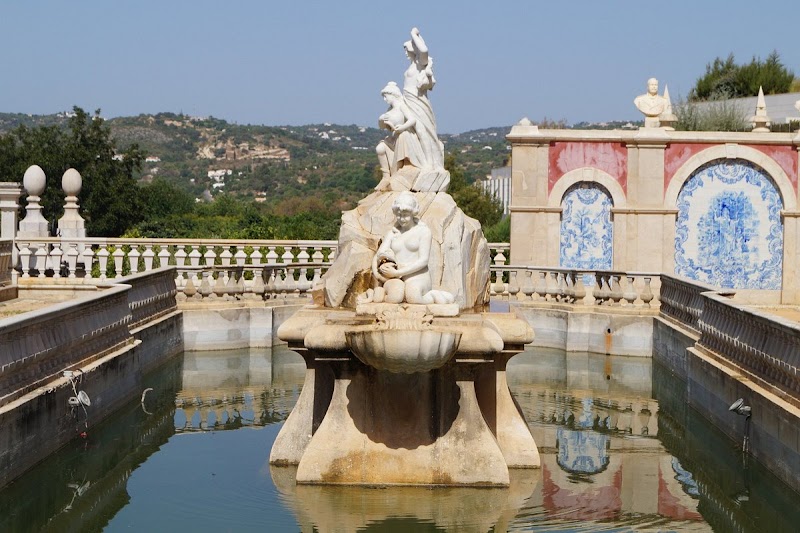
(401, 262)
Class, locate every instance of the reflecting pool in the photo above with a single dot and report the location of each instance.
(621, 451)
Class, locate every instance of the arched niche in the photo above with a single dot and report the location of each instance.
(587, 174)
(729, 232)
(586, 232)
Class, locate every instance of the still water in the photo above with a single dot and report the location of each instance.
(620, 452)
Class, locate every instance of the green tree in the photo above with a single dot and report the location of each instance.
(726, 79)
(109, 197)
(475, 202)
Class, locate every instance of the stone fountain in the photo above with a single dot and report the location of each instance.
(405, 381)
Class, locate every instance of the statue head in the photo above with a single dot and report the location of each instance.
(408, 46)
(391, 91)
(652, 86)
(405, 202)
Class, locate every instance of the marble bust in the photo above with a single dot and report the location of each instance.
(651, 104)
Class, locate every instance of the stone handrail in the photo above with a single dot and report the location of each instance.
(37, 346)
(766, 346)
(6, 249)
(682, 300)
(152, 295)
(575, 286)
(205, 268)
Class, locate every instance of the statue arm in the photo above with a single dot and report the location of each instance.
(383, 248)
(420, 48)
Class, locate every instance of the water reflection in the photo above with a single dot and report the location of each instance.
(342, 508)
(620, 450)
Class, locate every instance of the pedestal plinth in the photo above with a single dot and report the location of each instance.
(456, 425)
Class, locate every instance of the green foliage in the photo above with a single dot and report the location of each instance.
(726, 79)
(500, 232)
(109, 198)
(475, 202)
(720, 115)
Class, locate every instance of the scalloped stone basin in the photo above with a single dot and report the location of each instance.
(403, 351)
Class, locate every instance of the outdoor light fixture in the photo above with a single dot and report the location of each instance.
(740, 408)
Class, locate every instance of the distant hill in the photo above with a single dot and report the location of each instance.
(336, 162)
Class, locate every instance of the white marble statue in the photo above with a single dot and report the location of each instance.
(651, 104)
(400, 265)
(413, 139)
(402, 146)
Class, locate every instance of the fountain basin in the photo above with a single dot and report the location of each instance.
(403, 351)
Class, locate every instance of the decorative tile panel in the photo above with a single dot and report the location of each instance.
(729, 232)
(586, 230)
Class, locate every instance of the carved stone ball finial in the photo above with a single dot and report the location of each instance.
(71, 182)
(34, 180)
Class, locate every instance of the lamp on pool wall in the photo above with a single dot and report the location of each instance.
(741, 409)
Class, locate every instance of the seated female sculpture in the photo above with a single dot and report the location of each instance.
(402, 146)
(401, 263)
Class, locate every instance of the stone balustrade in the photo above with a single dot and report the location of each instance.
(6, 249)
(682, 300)
(205, 268)
(766, 346)
(37, 346)
(636, 290)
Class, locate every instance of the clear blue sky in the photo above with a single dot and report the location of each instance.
(296, 62)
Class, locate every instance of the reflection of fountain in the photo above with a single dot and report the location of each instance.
(321, 508)
(405, 380)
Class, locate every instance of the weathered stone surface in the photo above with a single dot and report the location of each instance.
(458, 249)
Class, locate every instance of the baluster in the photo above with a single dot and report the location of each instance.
(55, 259)
(513, 286)
(88, 255)
(317, 256)
(647, 294)
(499, 286)
(630, 291)
(287, 256)
(616, 290)
(226, 256)
(258, 287)
(303, 256)
(569, 286)
(163, 256)
(553, 290)
(272, 256)
(210, 257)
(102, 258)
(133, 258)
(25, 260)
(72, 260)
(332, 254)
(271, 284)
(147, 257)
(527, 285)
(240, 257)
(118, 256)
(41, 259)
(180, 262)
(219, 285)
(541, 285)
(580, 290)
(205, 285)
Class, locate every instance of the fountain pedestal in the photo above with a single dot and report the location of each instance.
(454, 425)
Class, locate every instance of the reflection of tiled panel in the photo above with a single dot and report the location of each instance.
(586, 228)
(728, 231)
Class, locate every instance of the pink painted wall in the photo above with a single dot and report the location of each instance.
(611, 158)
(678, 153)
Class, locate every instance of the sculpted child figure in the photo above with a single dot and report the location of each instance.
(401, 262)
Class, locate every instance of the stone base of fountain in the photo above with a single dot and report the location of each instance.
(452, 422)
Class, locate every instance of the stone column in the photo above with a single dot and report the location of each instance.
(9, 204)
(646, 233)
(34, 225)
(529, 170)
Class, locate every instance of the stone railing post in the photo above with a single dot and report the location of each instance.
(9, 205)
